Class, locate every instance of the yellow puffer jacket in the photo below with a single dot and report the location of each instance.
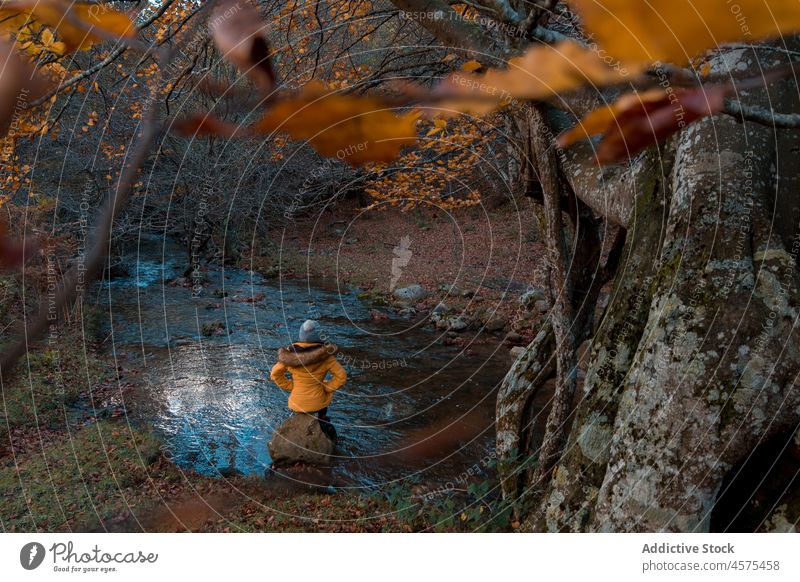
(308, 364)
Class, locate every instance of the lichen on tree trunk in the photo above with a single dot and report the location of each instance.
(694, 363)
(569, 503)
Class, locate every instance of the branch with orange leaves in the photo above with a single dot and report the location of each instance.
(117, 52)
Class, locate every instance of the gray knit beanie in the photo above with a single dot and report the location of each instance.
(309, 332)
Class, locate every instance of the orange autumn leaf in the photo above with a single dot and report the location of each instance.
(470, 66)
(638, 120)
(356, 129)
(78, 25)
(542, 72)
(677, 30)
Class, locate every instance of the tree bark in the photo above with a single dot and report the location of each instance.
(695, 361)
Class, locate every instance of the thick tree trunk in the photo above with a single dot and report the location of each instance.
(695, 361)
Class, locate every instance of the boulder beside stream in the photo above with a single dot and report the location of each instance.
(300, 439)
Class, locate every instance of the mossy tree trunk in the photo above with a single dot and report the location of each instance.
(695, 360)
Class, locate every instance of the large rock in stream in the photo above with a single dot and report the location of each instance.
(301, 439)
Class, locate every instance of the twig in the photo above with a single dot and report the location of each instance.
(761, 115)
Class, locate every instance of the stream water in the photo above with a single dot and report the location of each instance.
(211, 401)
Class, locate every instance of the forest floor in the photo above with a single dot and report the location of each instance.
(477, 262)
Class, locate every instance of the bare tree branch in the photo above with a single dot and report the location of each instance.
(761, 115)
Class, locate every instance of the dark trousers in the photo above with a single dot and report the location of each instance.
(325, 423)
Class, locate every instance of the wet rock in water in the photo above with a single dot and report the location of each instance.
(456, 324)
(407, 312)
(213, 328)
(301, 439)
(453, 324)
(410, 293)
(469, 293)
(376, 315)
(440, 308)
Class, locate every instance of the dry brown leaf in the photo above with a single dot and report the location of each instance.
(677, 30)
(238, 32)
(602, 118)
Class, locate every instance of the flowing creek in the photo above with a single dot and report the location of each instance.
(211, 401)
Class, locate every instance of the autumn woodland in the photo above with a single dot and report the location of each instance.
(552, 244)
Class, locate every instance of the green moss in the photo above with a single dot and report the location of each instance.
(8, 298)
(666, 273)
(340, 512)
(48, 380)
(83, 477)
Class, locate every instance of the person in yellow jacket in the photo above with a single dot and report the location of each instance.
(308, 362)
